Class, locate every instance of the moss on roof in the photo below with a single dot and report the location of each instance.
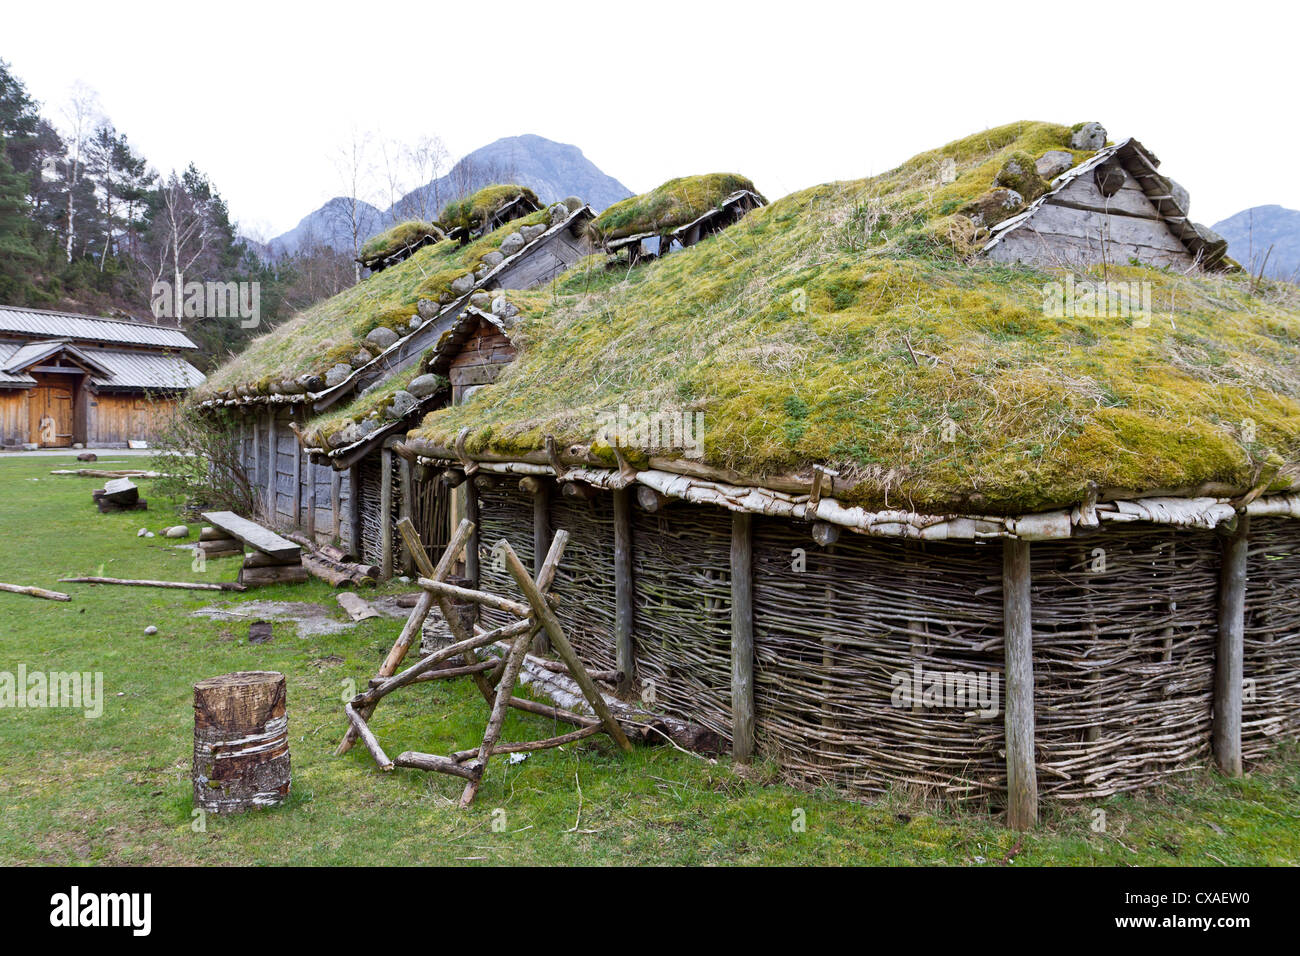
(398, 238)
(332, 331)
(363, 406)
(840, 325)
(472, 211)
(666, 207)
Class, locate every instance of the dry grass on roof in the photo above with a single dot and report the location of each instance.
(834, 326)
(472, 211)
(398, 238)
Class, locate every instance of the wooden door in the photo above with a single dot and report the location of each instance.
(51, 416)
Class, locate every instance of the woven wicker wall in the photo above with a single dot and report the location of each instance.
(1272, 638)
(504, 512)
(681, 571)
(1124, 633)
(830, 639)
(584, 583)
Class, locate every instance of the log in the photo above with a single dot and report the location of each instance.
(259, 559)
(386, 513)
(34, 592)
(261, 577)
(422, 761)
(241, 742)
(742, 638)
(356, 608)
(649, 499)
(337, 575)
(1022, 780)
(252, 534)
(143, 583)
(209, 533)
(1228, 661)
(531, 746)
(624, 592)
(478, 597)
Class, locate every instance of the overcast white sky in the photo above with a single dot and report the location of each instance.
(262, 95)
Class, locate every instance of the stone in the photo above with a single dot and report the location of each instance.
(142, 532)
(309, 382)
(177, 531)
(493, 259)
(362, 357)
(462, 284)
(558, 213)
(1090, 136)
(381, 337)
(149, 534)
(511, 244)
(503, 308)
(992, 207)
(151, 630)
(573, 203)
(414, 323)
(367, 425)
(530, 233)
(481, 300)
(422, 386)
(1052, 163)
(349, 434)
(402, 403)
(337, 375)
(426, 308)
(87, 456)
(77, 444)
(1182, 198)
(1018, 173)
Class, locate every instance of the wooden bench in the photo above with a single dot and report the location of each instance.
(275, 560)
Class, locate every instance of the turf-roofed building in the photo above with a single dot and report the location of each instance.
(980, 476)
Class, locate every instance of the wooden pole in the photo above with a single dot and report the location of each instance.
(271, 469)
(386, 513)
(541, 544)
(471, 548)
(336, 504)
(742, 637)
(1022, 781)
(1228, 667)
(355, 544)
(297, 482)
(405, 509)
(624, 592)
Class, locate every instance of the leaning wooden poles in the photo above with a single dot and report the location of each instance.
(495, 678)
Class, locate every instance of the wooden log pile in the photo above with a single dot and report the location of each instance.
(273, 559)
(218, 544)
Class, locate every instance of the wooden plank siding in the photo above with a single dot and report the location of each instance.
(481, 358)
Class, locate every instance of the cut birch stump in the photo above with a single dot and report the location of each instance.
(241, 742)
(34, 592)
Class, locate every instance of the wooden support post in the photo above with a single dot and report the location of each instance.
(297, 483)
(255, 479)
(624, 593)
(406, 508)
(742, 637)
(311, 500)
(271, 468)
(1228, 667)
(336, 504)
(386, 513)
(541, 544)
(471, 515)
(1018, 647)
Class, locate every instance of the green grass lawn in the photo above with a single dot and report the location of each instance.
(116, 789)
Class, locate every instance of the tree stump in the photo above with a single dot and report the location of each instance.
(241, 742)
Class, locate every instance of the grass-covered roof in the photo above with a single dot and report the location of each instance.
(332, 331)
(666, 207)
(472, 211)
(398, 238)
(847, 325)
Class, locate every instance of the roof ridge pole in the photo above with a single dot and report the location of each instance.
(1018, 648)
(1228, 663)
(742, 636)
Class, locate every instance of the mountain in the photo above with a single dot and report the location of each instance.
(552, 170)
(330, 225)
(1272, 231)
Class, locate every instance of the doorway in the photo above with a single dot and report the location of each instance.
(51, 416)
